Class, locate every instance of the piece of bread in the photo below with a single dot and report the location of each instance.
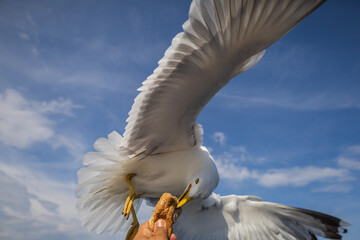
(165, 209)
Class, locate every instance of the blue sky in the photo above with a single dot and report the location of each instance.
(287, 130)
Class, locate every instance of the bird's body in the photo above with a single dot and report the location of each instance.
(162, 144)
(172, 172)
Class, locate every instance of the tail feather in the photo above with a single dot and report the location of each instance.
(105, 146)
(102, 189)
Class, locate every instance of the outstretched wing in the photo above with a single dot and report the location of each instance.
(221, 39)
(244, 218)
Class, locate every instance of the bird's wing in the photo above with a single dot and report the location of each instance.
(245, 217)
(221, 39)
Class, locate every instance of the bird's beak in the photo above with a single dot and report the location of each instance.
(184, 197)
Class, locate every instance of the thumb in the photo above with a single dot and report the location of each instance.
(160, 230)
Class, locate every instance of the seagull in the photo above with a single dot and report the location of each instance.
(161, 148)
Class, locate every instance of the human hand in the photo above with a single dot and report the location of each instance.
(160, 232)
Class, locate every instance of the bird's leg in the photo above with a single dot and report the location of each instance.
(130, 208)
(131, 197)
(134, 225)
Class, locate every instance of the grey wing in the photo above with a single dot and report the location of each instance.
(249, 218)
(221, 39)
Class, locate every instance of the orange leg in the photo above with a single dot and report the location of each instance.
(131, 197)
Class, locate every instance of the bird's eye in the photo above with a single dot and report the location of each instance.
(197, 180)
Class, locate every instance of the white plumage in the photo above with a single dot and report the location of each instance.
(162, 142)
(248, 217)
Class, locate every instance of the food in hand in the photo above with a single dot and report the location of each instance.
(165, 209)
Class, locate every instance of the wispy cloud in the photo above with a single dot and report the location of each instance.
(350, 158)
(73, 146)
(228, 164)
(33, 206)
(20, 124)
(292, 82)
(37, 206)
(24, 122)
(341, 188)
(81, 62)
(230, 171)
(219, 137)
(302, 102)
(353, 150)
(349, 163)
(296, 176)
(301, 176)
(24, 36)
(236, 154)
(60, 106)
(229, 167)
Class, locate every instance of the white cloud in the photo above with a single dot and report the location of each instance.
(72, 145)
(350, 158)
(33, 206)
(20, 124)
(302, 176)
(60, 106)
(348, 163)
(227, 164)
(43, 188)
(243, 155)
(24, 122)
(228, 167)
(24, 36)
(219, 137)
(228, 170)
(238, 154)
(341, 188)
(296, 176)
(353, 150)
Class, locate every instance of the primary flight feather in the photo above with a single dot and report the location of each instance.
(161, 149)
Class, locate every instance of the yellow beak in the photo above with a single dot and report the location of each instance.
(184, 197)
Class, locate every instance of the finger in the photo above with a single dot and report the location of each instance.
(144, 232)
(173, 237)
(144, 226)
(146, 229)
(160, 230)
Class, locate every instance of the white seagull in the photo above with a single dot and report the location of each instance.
(161, 150)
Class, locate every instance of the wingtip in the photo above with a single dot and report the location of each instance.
(343, 223)
(342, 226)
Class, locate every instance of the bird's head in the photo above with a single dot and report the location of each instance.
(202, 181)
(197, 188)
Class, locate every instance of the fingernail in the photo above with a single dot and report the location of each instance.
(161, 223)
(173, 237)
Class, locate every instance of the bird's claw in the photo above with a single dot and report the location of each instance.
(131, 197)
(134, 227)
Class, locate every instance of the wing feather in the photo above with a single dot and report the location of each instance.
(221, 39)
(245, 217)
